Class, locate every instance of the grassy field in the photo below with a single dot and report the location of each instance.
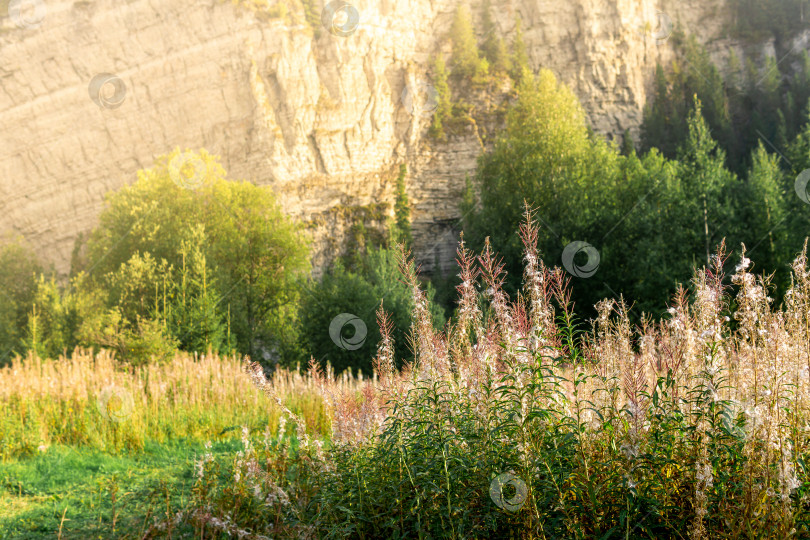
(89, 401)
(83, 493)
(91, 449)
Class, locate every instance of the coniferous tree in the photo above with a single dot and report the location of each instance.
(628, 145)
(494, 48)
(763, 214)
(444, 106)
(708, 186)
(401, 229)
(520, 57)
(467, 64)
(18, 284)
(196, 319)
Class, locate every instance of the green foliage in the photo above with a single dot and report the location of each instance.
(401, 228)
(708, 188)
(215, 268)
(312, 15)
(665, 121)
(545, 157)
(224, 250)
(651, 219)
(444, 106)
(467, 64)
(195, 317)
(494, 48)
(763, 19)
(753, 104)
(18, 284)
(520, 58)
(597, 454)
(45, 333)
(359, 293)
(628, 145)
(766, 213)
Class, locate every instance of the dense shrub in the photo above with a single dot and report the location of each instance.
(350, 343)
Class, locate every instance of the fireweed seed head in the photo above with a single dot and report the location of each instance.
(27, 13)
(353, 342)
(188, 170)
(590, 266)
(115, 403)
(496, 488)
(340, 18)
(107, 91)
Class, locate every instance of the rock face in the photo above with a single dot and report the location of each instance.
(318, 117)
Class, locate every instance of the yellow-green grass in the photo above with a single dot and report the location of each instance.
(197, 398)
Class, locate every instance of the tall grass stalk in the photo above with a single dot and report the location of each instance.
(196, 397)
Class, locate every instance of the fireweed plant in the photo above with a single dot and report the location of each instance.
(512, 422)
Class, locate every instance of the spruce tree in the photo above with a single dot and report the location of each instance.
(494, 48)
(444, 105)
(708, 189)
(763, 214)
(520, 58)
(401, 228)
(466, 62)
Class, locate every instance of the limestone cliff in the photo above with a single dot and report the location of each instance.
(318, 117)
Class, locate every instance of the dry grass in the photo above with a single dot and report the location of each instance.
(61, 401)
